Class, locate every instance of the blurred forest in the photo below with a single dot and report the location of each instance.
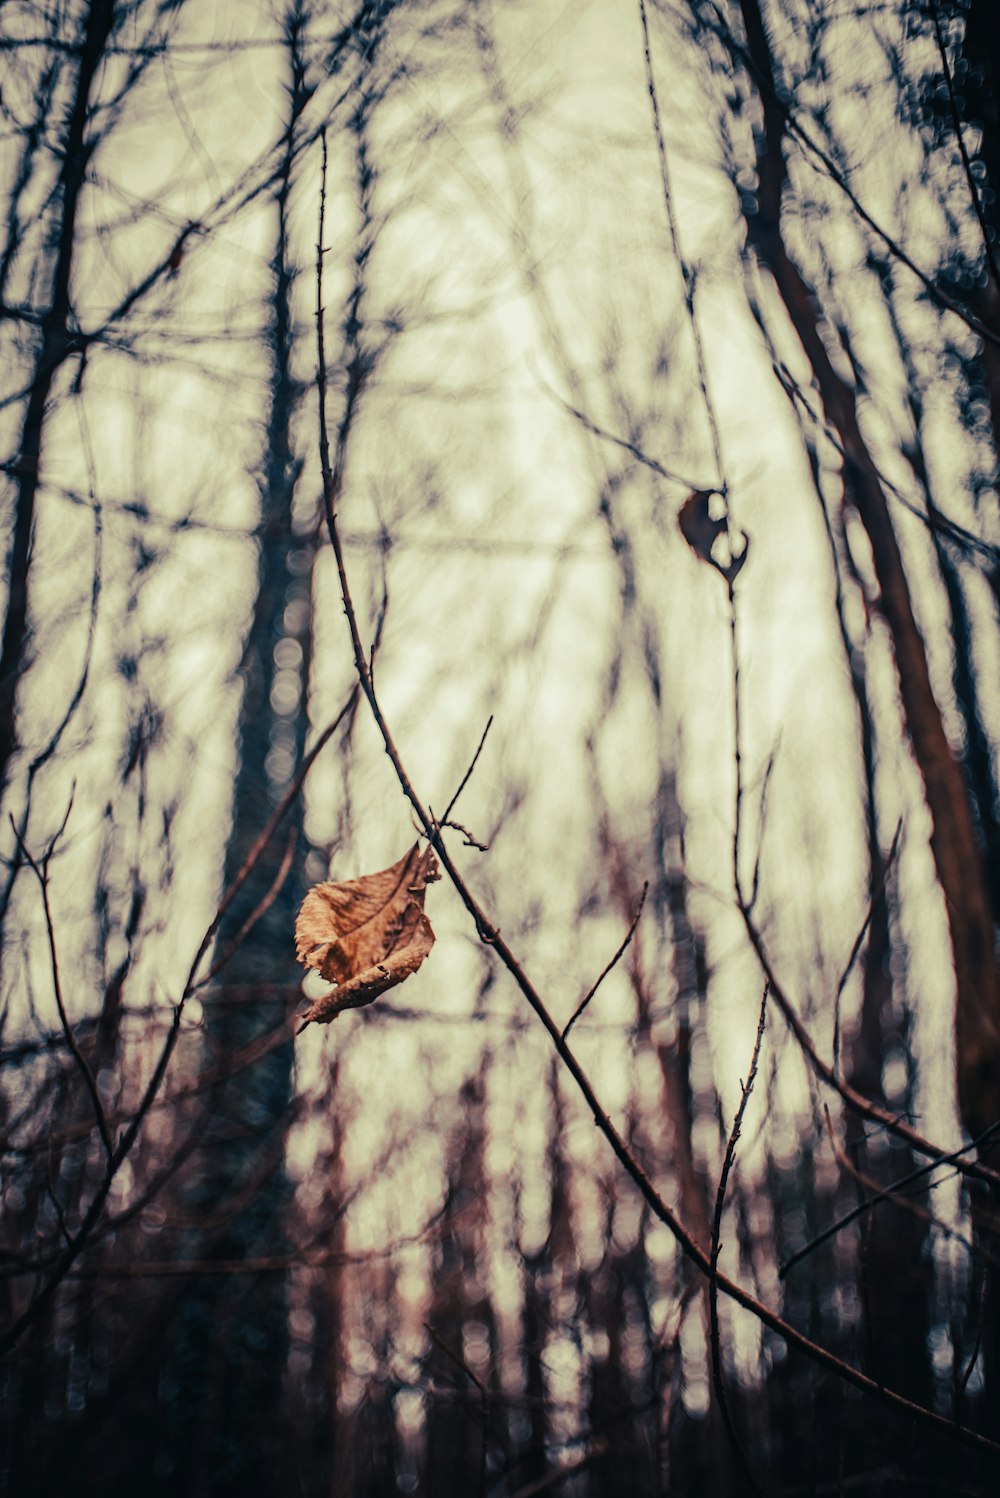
(564, 437)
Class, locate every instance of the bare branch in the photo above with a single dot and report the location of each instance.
(41, 873)
(716, 1248)
(613, 963)
(466, 777)
(875, 897)
(887, 1193)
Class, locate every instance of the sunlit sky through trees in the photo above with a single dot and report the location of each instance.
(522, 243)
(554, 319)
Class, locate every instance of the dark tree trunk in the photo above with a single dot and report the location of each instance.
(55, 344)
(222, 1400)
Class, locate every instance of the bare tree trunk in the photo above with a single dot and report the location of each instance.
(956, 853)
(231, 1342)
(56, 343)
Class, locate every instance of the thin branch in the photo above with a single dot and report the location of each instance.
(822, 1069)
(465, 778)
(41, 873)
(613, 963)
(737, 746)
(887, 1193)
(470, 841)
(963, 1381)
(257, 914)
(716, 1248)
(626, 445)
(690, 279)
(761, 824)
(48, 750)
(938, 523)
(305, 1258)
(876, 895)
(826, 1073)
(60, 1214)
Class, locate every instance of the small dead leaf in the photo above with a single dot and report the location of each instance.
(366, 935)
(701, 532)
(696, 525)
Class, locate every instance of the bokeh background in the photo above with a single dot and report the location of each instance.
(577, 262)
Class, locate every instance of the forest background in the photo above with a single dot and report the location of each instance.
(591, 410)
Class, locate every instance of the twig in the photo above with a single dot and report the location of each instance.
(690, 279)
(626, 445)
(713, 1280)
(966, 1374)
(761, 823)
(854, 1099)
(886, 1193)
(737, 746)
(465, 778)
(615, 959)
(938, 524)
(877, 894)
(257, 914)
(41, 873)
(303, 1258)
(60, 1214)
(48, 750)
(821, 1068)
(470, 841)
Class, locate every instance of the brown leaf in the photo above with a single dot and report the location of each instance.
(701, 532)
(696, 525)
(366, 935)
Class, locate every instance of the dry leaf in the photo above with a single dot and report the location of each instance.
(696, 525)
(701, 532)
(366, 935)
